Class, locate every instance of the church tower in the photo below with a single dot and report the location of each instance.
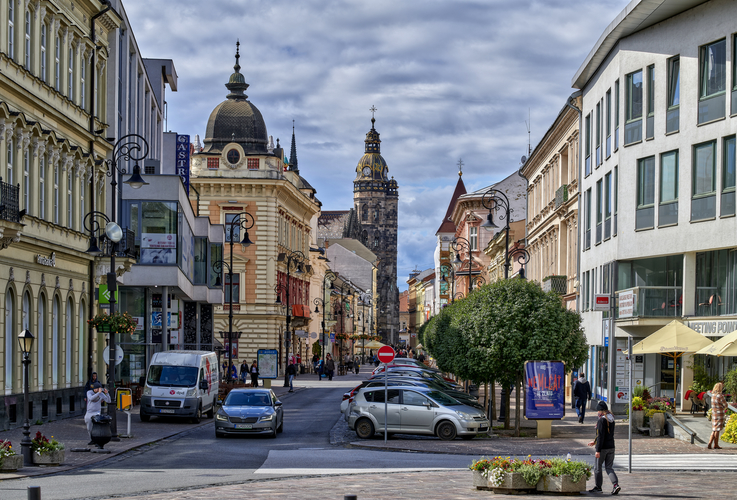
(375, 199)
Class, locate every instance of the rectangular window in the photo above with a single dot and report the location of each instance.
(668, 207)
(587, 145)
(235, 229)
(11, 149)
(213, 163)
(28, 41)
(11, 26)
(728, 177)
(474, 237)
(713, 81)
(57, 57)
(70, 75)
(70, 201)
(227, 288)
(616, 115)
(159, 232)
(598, 134)
(56, 194)
(599, 211)
(734, 75)
(608, 123)
(253, 164)
(608, 206)
(82, 206)
(216, 254)
(42, 187)
(650, 122)
(26, 183)
(716, 283)
(633, 108)
(703, 200)
(82, 90)
(587, 219)
(645, 214)
(672, 118)
(42, 73)
(616, 201)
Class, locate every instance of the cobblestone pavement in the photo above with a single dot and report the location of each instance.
(446, 485)
(72, 432)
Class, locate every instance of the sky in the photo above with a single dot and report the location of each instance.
(450, 79)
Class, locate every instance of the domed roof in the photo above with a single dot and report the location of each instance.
(372, 165)
(236, 119)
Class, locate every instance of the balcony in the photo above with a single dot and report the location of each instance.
(649, 302)
(300, 311)
(555, 283)
(561, 196)
(10, 215)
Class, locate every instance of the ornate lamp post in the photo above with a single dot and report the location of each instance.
(329, 275)
(25, 339)
(365, 299)
(495, 200)
(241, 220)
(131, 147)
(460, 244)
(294, 259)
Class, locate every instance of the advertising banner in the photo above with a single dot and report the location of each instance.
(183, 159)
(627, 303)
(546, 393)
(268, 363)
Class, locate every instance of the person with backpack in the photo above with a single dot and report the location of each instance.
(582, 393)
(604, 446)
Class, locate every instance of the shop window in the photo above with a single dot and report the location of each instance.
(716, 283)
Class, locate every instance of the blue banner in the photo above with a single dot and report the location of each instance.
(546, 390)
(182, 159)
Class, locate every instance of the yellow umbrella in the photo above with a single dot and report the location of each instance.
(725, 346)
(674, 340)
(374, 344)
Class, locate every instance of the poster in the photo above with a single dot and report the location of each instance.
(267, 363)
(622, 374)
(545, 397)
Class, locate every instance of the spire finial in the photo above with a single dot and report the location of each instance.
(237, 82)
(294, 166)
(460, 167)
(373, 119)
(237, 66)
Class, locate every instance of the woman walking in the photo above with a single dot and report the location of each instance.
(718, 412)
(254, 374)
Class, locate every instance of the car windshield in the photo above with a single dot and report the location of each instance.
(172, 376)
(442, 398)
(248, 399)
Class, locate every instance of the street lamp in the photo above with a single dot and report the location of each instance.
(294, 259)
(365, 299)
(241, 220)
(495, 200)
(131, 147)
(329, 275)
(460, 244)
(25, 339)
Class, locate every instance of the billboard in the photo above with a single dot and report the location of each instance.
(545, 397)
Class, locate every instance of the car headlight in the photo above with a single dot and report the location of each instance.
(191, 392)
(146, 391)
(464, 415)
(267, 418)
(221, 417)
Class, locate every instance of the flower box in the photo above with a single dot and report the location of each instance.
(11, 463)
(561, 484)
(55, 457)
(638, 419)
(512, 482)
(479, 480)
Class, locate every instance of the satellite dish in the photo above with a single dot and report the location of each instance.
(523, 159)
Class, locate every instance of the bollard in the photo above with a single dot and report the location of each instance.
(34, 493)
(350, 497)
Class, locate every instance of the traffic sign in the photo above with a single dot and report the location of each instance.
(386, 354)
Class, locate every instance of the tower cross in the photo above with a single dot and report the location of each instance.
(373, 110)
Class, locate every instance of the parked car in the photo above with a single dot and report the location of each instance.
(414, 410)
(409, 371)
(250, 411)
(461, 396)
(400, 362)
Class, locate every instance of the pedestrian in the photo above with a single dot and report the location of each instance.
(244, 371)
(582, 393)
(233, 373)
(89, 384)
(315, 361)
(718, 412)
(356, 366)
(421, 357)
(604, 446)
(319, 369)
(224, 371)
(329, 366)
(95, 397)
(291, 372)
(254, 374)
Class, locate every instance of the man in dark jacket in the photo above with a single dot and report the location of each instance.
(329, 366)
(582, 393)
(604, 446)
(291, 372)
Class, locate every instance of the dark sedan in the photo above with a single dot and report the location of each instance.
(249, 411)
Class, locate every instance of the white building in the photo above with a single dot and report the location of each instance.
(657, 189)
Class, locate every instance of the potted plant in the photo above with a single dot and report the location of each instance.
(565, 476)
(47, 452)
(657, 421)
(9, 461)
(120, 322)
(638, 412)
(341, 336)
(512, 475)
(480, 469)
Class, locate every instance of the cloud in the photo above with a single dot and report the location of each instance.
(450, 80)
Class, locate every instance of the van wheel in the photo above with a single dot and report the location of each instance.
(145, 418)
(365, 429)
(197, 416)
(446, 431)
(211, 412)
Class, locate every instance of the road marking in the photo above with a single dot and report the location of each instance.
(678, 462)
(325, 472)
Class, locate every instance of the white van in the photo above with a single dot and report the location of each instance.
(181, 384)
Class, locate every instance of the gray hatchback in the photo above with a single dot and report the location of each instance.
(414, 410)
(249, 411)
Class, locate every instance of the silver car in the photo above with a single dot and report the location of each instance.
(414, 410)
(249, 411)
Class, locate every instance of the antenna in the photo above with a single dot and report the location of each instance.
(528, 124)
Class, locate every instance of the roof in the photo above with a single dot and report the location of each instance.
(447, 226)
(636, 16)
(356, 247)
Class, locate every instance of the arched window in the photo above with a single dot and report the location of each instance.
(365, 213)
(376, 215)
(41, 340)
(55, 324)
(25, 323)
(68, 334)
(81, 337)
(377, 239)
(9, 339)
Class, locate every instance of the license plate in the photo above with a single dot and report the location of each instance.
(167, 411)
(243, 426)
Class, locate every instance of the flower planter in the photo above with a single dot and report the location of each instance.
(479, 480)
(11, 463)
(638, 419)
(657, 423)
(561, 484)
(49, 458)
(512, 482)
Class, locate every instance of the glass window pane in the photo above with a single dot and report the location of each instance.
(713, 68)
(216, 254)
(646, 182)
(159, 233)
(703, 169)
(608, 195)
(634, 96)
(728, 179)
(669, 177)
(674, 82)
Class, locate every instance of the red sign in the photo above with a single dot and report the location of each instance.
(385, 354)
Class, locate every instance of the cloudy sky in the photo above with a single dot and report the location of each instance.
(450, 79)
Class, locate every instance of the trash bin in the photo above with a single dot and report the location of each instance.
(101, 433)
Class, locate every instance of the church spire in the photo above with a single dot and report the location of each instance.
(373, 143)
(293, 153)
(237, 82)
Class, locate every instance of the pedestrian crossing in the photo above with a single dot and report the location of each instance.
(686, 462)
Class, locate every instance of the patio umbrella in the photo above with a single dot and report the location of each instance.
(674, 340)
(725, 346)
(374, 344)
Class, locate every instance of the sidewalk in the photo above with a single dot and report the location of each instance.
(73, 433)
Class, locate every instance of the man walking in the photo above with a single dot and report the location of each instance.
(291, 372)
(582, 393)
(95, 397)
(329, 366)
(604, 446)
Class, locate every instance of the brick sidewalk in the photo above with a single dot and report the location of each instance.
(73, 433)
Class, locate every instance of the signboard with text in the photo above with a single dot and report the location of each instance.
(268, 363)
(601, 302)
(546, 390)
(627, 303)
(182, 159)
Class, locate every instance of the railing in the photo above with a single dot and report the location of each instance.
(681, 425)
(556, 284)
(649, 301)
(561, 195)
(9, 208)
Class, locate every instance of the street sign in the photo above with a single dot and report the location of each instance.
(104, 294)
(602, 302)
(386, 354)
(301, 334)
(118, 355)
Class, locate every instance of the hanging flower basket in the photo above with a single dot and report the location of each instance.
(118, 323)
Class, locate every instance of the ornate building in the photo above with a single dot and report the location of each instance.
(375, 200)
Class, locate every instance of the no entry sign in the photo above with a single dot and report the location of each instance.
(385, 354)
